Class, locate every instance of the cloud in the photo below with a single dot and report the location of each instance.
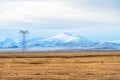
(44, 11)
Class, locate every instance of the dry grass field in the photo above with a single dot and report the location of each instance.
(60, 66)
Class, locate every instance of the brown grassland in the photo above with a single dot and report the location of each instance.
(60, 66)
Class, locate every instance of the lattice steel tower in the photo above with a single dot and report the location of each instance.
(24, 32)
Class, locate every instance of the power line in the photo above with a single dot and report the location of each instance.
(24, 32)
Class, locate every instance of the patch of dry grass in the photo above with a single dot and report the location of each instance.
(60, 66)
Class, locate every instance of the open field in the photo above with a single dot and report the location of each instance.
(60, 66)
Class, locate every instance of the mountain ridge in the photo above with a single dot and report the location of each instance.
(60, 40)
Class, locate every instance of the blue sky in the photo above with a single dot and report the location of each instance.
(94, 19)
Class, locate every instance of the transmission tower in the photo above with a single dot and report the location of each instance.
(24, 32)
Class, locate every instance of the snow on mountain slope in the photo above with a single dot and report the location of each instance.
(33, 41)
(62, 40)
(118, 41)
(67, 37)
(7, 43)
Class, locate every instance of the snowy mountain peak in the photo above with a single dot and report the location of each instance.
(60, 35)
(7, 43)
(66, 37)
(6, 40)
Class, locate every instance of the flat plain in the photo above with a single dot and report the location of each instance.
(60, 66)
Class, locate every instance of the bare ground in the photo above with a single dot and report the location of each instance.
(60, 66)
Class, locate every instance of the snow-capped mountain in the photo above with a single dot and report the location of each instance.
(67, 37)
(61, 40)
(7, 43)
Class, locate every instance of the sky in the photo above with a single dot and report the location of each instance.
(97, 20)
